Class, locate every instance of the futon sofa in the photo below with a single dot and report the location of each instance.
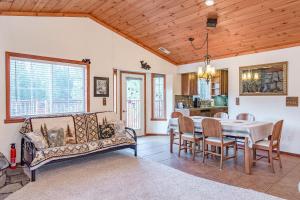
(82, 134)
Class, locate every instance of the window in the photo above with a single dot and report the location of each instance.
(158, 82)
(40, 85)
(204, 89)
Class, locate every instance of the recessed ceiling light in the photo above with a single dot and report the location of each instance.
(209, 2)
(164, 50)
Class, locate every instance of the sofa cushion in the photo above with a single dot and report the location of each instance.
(80, 128)
(44, 156)
(109, 116)
(116, 140)
(70, 149)
(55, 125)
(55, 153)
(92, 127)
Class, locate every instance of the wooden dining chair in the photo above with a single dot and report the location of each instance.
(174, 135)
(176, 114)
(270, 145)
(221, 115)
(187, 135)
(245, 116)
(212, 133)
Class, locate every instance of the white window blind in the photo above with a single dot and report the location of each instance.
(40, 87)
(159, 96)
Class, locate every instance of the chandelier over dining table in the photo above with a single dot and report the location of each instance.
(208, 71)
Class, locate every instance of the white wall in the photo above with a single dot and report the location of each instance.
(265, 108)
(76, 38)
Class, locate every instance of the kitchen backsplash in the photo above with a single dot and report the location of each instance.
(186, 101)
(220, 100)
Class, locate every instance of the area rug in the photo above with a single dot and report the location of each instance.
(120, 176)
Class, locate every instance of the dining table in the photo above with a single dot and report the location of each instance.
(250, 131)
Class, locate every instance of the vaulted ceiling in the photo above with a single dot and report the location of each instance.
(244, 26)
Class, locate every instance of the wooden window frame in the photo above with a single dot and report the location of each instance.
(152, 98)
(115, 85)
(8, 56)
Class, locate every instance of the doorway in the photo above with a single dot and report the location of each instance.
(133, 100)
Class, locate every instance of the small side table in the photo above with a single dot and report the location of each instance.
(4, 164)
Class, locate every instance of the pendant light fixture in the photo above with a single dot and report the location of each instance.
(207, 72)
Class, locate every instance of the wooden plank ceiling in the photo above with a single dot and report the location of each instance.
(244, 26)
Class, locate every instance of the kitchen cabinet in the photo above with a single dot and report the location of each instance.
(189, 84)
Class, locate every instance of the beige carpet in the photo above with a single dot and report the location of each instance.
(119, 176)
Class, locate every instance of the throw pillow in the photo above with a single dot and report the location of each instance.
(56, 137)
(106, 130)
(119, 127)
(38, 140)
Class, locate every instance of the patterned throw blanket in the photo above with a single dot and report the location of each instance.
(79, 133)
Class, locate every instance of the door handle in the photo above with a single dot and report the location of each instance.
(124, 111)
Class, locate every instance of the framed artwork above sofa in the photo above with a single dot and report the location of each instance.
(101, 87)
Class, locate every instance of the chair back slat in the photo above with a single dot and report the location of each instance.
(276, 133)
(211, 128)
(221, 115)
(186, 125)
(176, 115)
(245, 116)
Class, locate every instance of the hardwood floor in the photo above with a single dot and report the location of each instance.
(284, 183)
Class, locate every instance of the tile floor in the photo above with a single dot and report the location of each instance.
(15, 180)
(284, 183)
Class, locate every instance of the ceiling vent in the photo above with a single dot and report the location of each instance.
(164, 50)
(212, 22)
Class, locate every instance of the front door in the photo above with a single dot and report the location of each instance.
(133, 112)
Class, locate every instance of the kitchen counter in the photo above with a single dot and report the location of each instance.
(202, 111)
(208, 108)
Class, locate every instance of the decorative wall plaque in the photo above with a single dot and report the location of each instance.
(292, 101)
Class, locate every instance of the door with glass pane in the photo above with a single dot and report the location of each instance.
(133, 101)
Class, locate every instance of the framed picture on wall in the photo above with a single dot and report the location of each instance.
(264, 79)
(101, 87)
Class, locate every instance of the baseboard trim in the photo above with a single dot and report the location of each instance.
(156, 134)
(290, 154)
